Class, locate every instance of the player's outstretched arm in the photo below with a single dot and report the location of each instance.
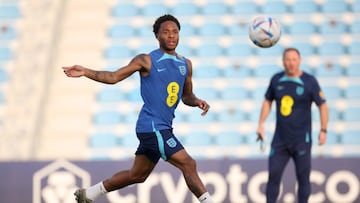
(139, 63)
(189, 97)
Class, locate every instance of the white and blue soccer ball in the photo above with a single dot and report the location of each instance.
(264, 31)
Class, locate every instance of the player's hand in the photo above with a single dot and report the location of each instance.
(204, 106)
(260, 132)
(322, 138)
(74, 71)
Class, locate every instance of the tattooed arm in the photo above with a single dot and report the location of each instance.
(141, 63)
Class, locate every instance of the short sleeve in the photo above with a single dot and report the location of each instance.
(269, 94)
(316, 92)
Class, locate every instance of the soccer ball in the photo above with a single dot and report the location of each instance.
(264, 31)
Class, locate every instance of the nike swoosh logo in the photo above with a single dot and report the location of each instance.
(161, 69)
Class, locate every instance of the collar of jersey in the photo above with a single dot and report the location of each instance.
(288, 79)
(168, 56)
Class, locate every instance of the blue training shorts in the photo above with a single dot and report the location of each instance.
(158, 144)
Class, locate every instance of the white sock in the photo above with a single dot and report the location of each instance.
(95, 191)
(205, 198)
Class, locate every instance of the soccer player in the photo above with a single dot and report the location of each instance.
(166, 77)
(293, 91)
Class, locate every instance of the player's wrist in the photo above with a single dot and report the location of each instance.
(324, 130)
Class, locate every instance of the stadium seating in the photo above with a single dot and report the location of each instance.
(229, 71)
(242, 8)
(185, 9)
(215, 8)
(9, 12)
(210, 48)
(334, 6)
(275, 7)
(304, 7)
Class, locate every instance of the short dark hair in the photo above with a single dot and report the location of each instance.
(291, 49)
(161, 19)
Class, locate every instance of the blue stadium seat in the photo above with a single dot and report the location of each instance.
(134, 95)
(305, 48)
(121, 31)
(307, 68)
(333, 26)
(231, 115)
(334, 6)
(198, 138)
(266, 70)
(304, 6)
(211, 49)
(353, 70)
(354, 27)
(154, 9)
(354, 48)
(194, 115)
(234, 93)
(245, 8)
(274, 7)
(239, 29)
(185, 9)
(333, 114)
(228, 138)
(275, 50)
(215, 8)
(106, 117)
(351, 137)
(117, 52)
(129, 140)
(5, 54)
(331, 48)
(259, 93)
(125, 10)
(212, 29)
(355, 6)
(352, 92)
(302, 28)
(103, 140)
(239, 49)
(145, 31)
(110, 94)
(351, 114)
(131, 117)
(9, 12)
(184, 50)
(3, 75)
(332, 138)
(7, 33)
(145, 48)
(237, 71)
(206, 71)
(187, 30)
(180, 116)
(206, 93)
(329, 70)
(332, 92)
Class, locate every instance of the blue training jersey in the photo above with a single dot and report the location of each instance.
(161, 91)
(293, 97)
